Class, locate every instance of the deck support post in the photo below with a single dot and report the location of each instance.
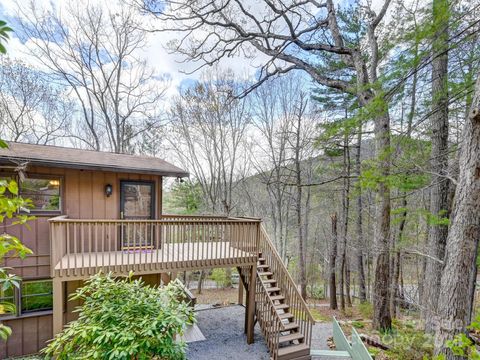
(58, 301)
(251, 304)
(240, 293)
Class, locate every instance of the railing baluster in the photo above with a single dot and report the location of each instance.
(75, 247)
(68, 249)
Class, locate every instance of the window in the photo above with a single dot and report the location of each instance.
(44, 193)
(36, 295)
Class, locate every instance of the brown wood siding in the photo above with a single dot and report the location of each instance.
(82, 198)
(29, 335)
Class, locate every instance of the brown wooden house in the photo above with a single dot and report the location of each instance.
(98, 211)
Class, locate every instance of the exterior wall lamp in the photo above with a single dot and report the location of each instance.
(108, 190)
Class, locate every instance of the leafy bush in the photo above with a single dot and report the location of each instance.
(366, 309)
(10, 246)
(220, 277)
(408, 342)
(463, 346)
(316, 292)
(122, 319)
(358, 324)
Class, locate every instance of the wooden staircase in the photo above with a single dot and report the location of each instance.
(286, 331)
(280, 311)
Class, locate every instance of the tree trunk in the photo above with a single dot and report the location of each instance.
(454, 303)
(382, 319)
(359, 247)
(298, 207)
(345, 208)
(347, 283)
(437, 234)
(332, 264)
(200, 281)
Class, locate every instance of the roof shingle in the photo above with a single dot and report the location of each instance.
(62, 157)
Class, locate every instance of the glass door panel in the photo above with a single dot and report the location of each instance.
(137, 202)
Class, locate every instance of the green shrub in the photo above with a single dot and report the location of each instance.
(358, 324)
(407, 342)
(463, 346)
(316, 292)
(122, 319)
(220, 277)
(366, 309)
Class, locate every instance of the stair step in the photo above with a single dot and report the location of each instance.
(263, 266)
(266, 273)
(277, 297)
(269, 281)
(273, 289)
(293, 352)
(285, 316)
(290, 326)
(291, 337)
(282, 307)
(261, 259)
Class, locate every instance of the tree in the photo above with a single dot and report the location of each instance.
(332, 264)
(313, 33)
(438, 230)
(454, 303)
(301, 145)
(273, 108)
(122, 318)
(208, 129)
(94, 53)
(31, 108)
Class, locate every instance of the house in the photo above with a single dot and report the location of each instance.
(98, 211)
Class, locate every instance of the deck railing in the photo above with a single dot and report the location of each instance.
(83, 247)
(289, 289)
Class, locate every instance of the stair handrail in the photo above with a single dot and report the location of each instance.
(272, 345)
(282, 264)
(305, 311)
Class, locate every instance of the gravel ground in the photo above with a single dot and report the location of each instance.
(320, 333)
(223, 328)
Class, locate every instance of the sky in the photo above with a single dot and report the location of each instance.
(155, 53)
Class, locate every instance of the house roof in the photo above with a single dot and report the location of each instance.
(62, 157)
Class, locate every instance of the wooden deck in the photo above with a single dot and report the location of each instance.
(81, 248)
(180, 256)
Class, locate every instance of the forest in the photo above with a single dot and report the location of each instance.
(354, 134)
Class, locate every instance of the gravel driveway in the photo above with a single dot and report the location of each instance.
(223, 329)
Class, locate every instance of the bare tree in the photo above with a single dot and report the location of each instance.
(301, 145)
(297, 36)
(94, 52)
(208, 135)
(31, 109)
(208, 131)
(274, 108)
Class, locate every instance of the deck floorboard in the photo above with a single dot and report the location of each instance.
(171, 256)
